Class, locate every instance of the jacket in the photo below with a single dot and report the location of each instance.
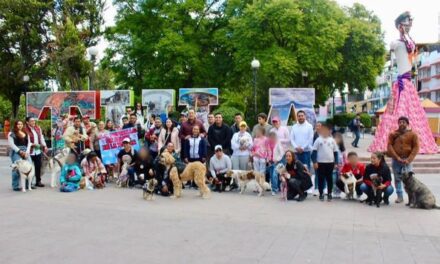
(297, 171)
(90, 168)
(220, 135)
(195, 147)
(358, 171)
(403, 145)
(70, 174)
(383, 171)
(174, 138)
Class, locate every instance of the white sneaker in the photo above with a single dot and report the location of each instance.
(358, 197)
(315, 192)
(325, 191)
(274, 193)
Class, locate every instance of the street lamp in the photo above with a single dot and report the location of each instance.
(304, 75)
(93, 52)
(255, 64)
(25, 81)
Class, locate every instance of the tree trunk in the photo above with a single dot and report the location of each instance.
(15, 101)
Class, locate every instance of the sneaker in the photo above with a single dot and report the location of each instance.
(321, 197)
(399, 200)
(325, 191)
(274, 193)
(336, 195)
(227, 188)
(315, 192)
(16, 189)
(386, 201)
(329, 197)
(358, 197)
(302, 197)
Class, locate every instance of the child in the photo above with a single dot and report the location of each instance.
(357, 168)
(342, 159)
(260, 151)
(324, 157)
(70, 175)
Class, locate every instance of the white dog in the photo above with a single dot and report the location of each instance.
(284, 177)
(349, 184)
(54, 165)
(122, 180)
(27, 172)
(244, 177)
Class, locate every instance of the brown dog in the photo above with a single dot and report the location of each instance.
(244, 177)
(194, 171)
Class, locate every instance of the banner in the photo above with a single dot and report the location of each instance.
(159, 102)
(286, 102)
(111, 143)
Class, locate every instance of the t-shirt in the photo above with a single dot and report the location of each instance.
(358, 171)
(132, 153)
(325, 149)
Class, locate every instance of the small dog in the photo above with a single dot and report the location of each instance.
(419, 195)
(349, 184)
(284, 177)
(27, 172)
(377, 193)
(123, 178)
(148, 189)
(244, 177)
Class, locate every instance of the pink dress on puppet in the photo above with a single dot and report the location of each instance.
(407, 105)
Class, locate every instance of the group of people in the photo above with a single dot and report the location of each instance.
(303, 149)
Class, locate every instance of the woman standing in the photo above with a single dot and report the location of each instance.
(299, 181)
(20, 149)
(241, 145)
(377, 174)
(99, 133)
(168, 134)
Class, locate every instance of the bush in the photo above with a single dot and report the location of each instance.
(342, 120)
(228, 113)
(366, 120)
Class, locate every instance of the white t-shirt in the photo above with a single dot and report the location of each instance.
(325, 148)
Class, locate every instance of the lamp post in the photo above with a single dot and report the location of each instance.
(304, 75)
(93, 52)
(255, 64)
(25, 83)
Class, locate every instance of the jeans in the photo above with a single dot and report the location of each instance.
(15, 175)
(357, 134)
(335, 179)
(240, 162)
(259, 165)
(398, 168)
(325, 174)
(304, 158)
(369, 191)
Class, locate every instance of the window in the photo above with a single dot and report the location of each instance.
(437, 69)
(437, 96)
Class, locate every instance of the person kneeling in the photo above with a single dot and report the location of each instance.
(299, 181)
(70, 177)
(377, 180)
(94, 170)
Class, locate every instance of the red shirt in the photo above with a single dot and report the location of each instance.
(358, 171)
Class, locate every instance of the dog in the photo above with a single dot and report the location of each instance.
(419, 195)
(123, 177)
(148, 189)
(194, 171)
(377, 193)
(244, 177)
(54, 165)
(349, 181)
(284, 177)
(27, 172)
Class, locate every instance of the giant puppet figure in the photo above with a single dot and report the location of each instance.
(404, 100)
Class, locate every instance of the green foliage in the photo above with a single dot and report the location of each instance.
(366, 120)
(228, 113)
(343, 119)
(200, 43)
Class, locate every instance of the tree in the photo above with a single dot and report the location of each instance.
(24, 38)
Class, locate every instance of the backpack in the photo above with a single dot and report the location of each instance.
(351, 125)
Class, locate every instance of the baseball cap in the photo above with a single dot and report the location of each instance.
(218, 147)
(243, 123)
(126, 140)
(86, 117)
(184, 114)
(275, 119)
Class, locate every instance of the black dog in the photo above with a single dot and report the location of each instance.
(377, 193)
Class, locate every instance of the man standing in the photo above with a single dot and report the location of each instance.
(211, 121)
(76, 134)
(355, 127)
(219, 134)
(262, 122)
(403, 146)
(37, 145)
(301, 138)
(133, 122)
(186, 128)
(236, 126)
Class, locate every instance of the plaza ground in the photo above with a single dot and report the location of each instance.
(117, 226)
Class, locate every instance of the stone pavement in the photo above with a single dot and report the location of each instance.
(118, 226)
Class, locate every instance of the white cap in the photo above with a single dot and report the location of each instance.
(217, 147)
(126, 140)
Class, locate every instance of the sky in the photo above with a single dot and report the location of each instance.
(426, 14)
